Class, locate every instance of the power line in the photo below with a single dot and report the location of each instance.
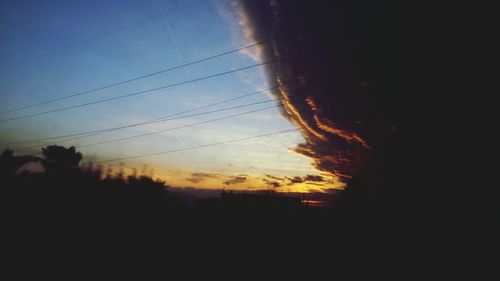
(138, 93)
(93, 133)
(71, 46)
(175, 128)
(138, 78)
(157, 120)
(198, 146)
(170, 115)
(201, 113)
(219, 103)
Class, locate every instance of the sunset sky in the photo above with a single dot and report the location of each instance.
(53, 49)
(129, 124)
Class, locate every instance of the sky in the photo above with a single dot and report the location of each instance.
(52, 49)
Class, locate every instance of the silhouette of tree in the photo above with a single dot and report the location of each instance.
(60, 156)
(8, 164)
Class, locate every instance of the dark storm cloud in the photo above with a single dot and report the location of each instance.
(333, 58)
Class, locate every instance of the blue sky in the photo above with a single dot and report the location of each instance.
(34, 69)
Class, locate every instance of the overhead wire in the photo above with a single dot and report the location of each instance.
(138, 77)
(140, 92)
(176, 128)
(169, 117)
(197, 146)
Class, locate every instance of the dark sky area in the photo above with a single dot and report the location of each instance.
(341, 64)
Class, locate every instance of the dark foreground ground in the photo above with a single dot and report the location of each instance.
(39, 202)
(72, 216)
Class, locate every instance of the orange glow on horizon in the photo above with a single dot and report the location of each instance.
(187, 179)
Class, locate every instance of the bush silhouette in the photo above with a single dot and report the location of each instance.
(61, 157)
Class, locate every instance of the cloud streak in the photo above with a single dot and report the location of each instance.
(200, 177)
(236, 180)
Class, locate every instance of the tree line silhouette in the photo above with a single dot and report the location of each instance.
(91, 208)
(64, 193)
